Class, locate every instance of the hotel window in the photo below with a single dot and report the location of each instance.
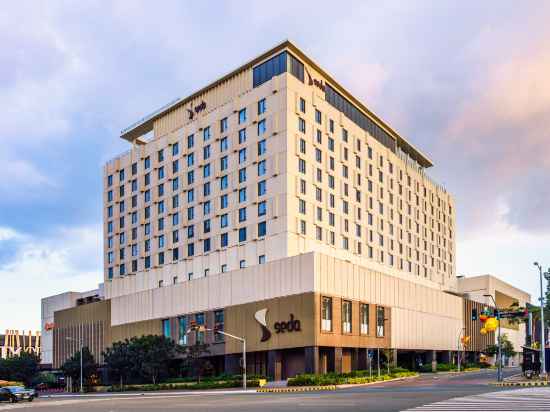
(303, 227)
(199, 318)
(242, 136)
(319, 137)
(134, 185)
(261, 106)
(302, 105)
(175, 236)
(110, 180)
(242, 156)
(242, 234)
(380, 320)
(224, 144)
(160, 189)
(206, 189)
(190, 249)
(218, 325)
(160, 207)
(206, 152)
(223, 125)
(345, 243)
(147, 245)
(110, 211)
(331, 238)
(206, 171)
(224, 268)
(175, 149)
(206, 207)
(134, 266)
(242, 175)
(206, 245)
(147, 263)
(224, 239)
(242, 195)
(331, 144)
(262, 188)
(166, 329)
(110, 273)
(301, 125)
(175, 257)
(318, 116)
(161, 241)
(242, 264)
(224, 220)
(190, 159)
(346, 316)
(344, 135)
(206, 226)
(147, 162)
(242, 116)
(262, 168)
(190, 141)
(302, 146)
(261, 259)
(190, 177)
(302, 186)
(190, 276)
(318, 156)
(326, 314)
(261, 127)
(262, 208)
(224, 201)
(160, 155)
(302, 166)
(302, 206)
(190, 195)
(318, 233)
(262, 229)
(224, 163)
(182, 333)
(110, 196)
(331, 125)
(206, 134)
(364, 314)
(224, 182)
(262, 147)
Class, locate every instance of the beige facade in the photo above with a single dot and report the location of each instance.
(273, 171)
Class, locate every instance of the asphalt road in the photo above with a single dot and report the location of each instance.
(384, 397)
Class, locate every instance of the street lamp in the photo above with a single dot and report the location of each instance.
(499, 366)
(243, 340)
(542, 331)
(81, 374)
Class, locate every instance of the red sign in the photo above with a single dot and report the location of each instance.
(49, 326)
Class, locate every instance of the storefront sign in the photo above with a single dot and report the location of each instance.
(292, 325)
(196, 110)
(317, 83)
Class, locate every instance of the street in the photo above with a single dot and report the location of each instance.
(391, 396)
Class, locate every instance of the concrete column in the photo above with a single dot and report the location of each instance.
(393, 363)
(274, 365)
(355, 359)
(311, 355)
(338, 360)
(362, 359)
(431, 357)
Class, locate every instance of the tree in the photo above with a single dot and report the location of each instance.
(71, 367)
(151, 355)
(507, 347)
(22, 367)
(194, 359)
(118, 360)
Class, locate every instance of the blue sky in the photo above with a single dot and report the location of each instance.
(465, 82)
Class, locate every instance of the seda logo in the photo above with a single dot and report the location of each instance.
(260, 316)
(292, 325)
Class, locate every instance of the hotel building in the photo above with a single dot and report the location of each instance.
(273, 199)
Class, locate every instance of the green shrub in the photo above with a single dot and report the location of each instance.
(353, 378)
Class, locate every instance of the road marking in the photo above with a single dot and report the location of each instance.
(519, 400)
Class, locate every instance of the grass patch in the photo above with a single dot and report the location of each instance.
(351, 378)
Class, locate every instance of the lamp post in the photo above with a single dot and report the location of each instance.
(243, 340)
(542, 328)
(81, 373)
(499, 365)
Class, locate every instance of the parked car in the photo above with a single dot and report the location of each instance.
(16, 393)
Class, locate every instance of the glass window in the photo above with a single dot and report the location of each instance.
(364, 314)
(160, 155)
(326, 314)
(346, 316)
(242, 195)
(242, 264)
(242, 214)
(261, 259)
(262, 208)
(318, 116)
(242, 155)
(199, 318)
(110, 180)
(206, 170)
(223, 125)
(190, 159)
(262, 229)
(224, 239)
(224, 163)
(242, 136)
(147, 162)
(175, 149)
(224, 220)
(218, 325)
(166, 329)
(190, 141)
(242, 234)
(182, 335)
(262, 147)
(380, 321)
(301, 125)
(261, 106)
(242, 116)
(224, 144)
(224, 182)
(262, 188)
(302, 105)
(242, 175)
(262, 167)
(206, 134)
(206, 152)
(261, 127)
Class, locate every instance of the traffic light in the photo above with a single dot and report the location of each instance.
(474, 314)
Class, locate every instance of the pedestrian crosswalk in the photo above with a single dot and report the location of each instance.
(518, 400)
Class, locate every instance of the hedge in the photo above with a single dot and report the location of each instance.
(353, 378)
(208, 384)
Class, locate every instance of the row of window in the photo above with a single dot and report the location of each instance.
(147, 265)
(184, 323)
(348, 324)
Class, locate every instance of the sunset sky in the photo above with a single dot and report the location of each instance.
(466, 82)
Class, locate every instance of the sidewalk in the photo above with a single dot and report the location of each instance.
(520, 380)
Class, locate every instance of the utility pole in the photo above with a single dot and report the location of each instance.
(542, 328)
(499, 340)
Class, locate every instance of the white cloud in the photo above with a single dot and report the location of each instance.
(69, 259)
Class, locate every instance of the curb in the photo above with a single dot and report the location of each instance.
(507, 384)
(298, 389)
